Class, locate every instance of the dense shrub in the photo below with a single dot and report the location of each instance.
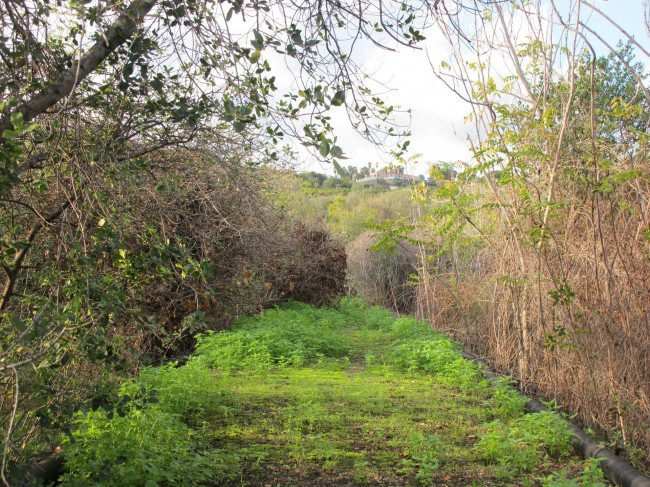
(291, 336)
(187, 246)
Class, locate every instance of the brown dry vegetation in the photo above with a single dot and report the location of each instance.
(543, 267)
(555, 291)
(569, 320)
(188, 248)
(381, 277)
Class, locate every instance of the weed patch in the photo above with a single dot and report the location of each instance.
(306, 396)
(522, 444)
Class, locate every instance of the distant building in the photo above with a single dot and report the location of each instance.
(392, 178)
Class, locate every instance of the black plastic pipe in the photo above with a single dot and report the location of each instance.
(614, 467)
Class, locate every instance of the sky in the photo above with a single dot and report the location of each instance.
(437, 115)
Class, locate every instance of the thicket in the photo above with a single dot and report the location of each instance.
(346, 212)
(537, 251)
(544, 235)
(384, 275)
(562, 276)
(188, 248)
(131, 139)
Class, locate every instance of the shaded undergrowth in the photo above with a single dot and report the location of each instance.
(306, 396)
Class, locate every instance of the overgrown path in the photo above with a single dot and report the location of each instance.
(321, 397)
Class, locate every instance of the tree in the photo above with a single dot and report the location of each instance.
(312, 177)
(95, 100)
(352, 173)
(442, 171)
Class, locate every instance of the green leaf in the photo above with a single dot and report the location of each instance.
(338, 168)
(229, 14)
(339, 98)
(296, 39)
(324, 148)
(255, 56)
(238, 126)
(128, 70)
(336, 151)
(258, 37)
(156, 84)
(17, 323)
(10, 134)
(17, 121)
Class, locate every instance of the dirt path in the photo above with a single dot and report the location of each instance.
(318, 397)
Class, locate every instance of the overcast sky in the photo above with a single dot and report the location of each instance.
(438, 130)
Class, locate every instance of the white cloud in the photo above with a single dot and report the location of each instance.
(436, 124)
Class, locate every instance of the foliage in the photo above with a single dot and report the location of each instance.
(383, 275)
(516, 446)
(304, 422)
(348, 212)
(537, 249)
(591, 476)
(144, 447)
(150, 440)
(507, 402)
(418, 349)
(156, 262)
(296, 335)
(113, 118)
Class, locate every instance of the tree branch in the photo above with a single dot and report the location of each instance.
(12, 274)
(114, 36)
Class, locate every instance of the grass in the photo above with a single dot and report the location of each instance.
(305, 396)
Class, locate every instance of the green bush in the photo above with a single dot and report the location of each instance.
(507, 402)
(294, 335)
(147, 446)
(159, 432)
(409, 328)
(520, 445)
(418, 348)
(364, 316)
(150, 440)
(189, 390)
(591, 476)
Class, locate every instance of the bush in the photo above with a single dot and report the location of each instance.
(146, 446)
(150, 439)
(136, 270)
(518, 446)
(292, 336)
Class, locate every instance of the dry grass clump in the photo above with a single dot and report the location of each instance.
(381, 277)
